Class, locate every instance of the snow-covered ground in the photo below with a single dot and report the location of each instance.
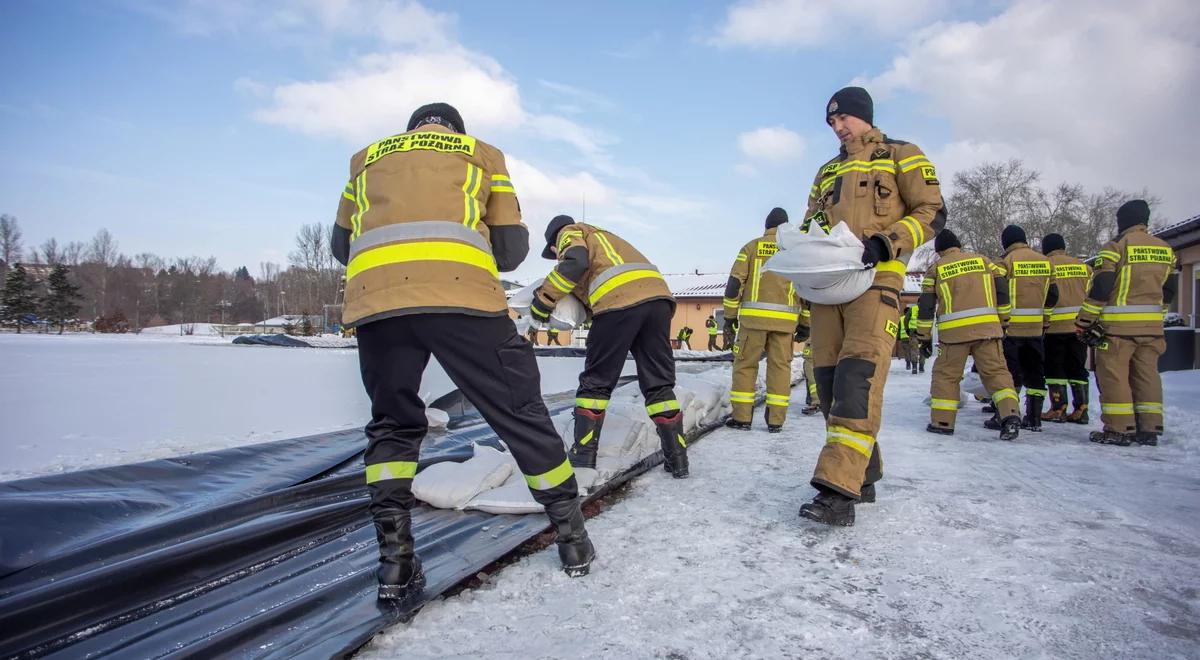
(77, 401)
(1048, 547)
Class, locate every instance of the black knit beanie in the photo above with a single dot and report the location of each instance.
(853, 101)
(776, 217)
(945, 240)
(1012, 234)
(556, 225)
(1053, 242)
(440, 113)
(1133, 212)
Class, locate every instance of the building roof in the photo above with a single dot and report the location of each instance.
(697, 285)
(1181, 234)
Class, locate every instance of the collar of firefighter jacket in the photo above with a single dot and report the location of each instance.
(950, 251)
(1133, 230)
(1016, 246)
(863, 142)
(771, 233)
(1054, 253)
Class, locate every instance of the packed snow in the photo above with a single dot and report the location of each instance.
(71, 402)
(1049, 546)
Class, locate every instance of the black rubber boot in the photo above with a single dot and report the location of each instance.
(867, 494)
(810, 409)
(922, 367)
(940, 430)
(988, 407)
(993, 422)
(1058, 404)
(1079, 397)
(674, 445)
(1010, 428)
(1033, 413)
(575, 550)
(399, 571)
(908, 366)
(1111, 438)
(735, 424)
(830, 508)
(588, 423)
(1147, 438)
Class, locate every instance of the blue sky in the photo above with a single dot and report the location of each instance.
(218, 128)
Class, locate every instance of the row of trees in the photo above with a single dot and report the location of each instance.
(20, 297)
(146, 289)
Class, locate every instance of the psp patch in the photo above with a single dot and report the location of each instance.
(891, 328)
(930, 175)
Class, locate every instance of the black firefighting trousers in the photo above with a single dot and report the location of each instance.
(496, 371)
(645, 331)
(1025, 357)
(1066, 359)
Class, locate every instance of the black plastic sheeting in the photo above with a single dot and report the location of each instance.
(264, 551)
(286, 341)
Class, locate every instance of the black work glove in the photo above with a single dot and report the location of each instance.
(927, 349)
(874, 251)
(540, 311)
(1092, 335)
(733, 323)
(802, 333)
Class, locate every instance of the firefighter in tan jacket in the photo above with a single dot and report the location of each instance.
(426, 222)
(888, 192)
(1033, 295)
(965, 292)
(1122, 318)
(631, 308)
(1066, 356)
(768, 314)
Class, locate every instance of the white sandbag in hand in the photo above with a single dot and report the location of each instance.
(825, 267)
(568, 314)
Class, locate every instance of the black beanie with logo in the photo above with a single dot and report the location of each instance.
(853, 101)
(437, 113)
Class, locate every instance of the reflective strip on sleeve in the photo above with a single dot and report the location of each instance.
(552, 478)
(893, 266)
(1109, 254)
(860, 442)
(348, 192)
(593, 404)
(391, 470)
(943, 404)
(559, 282)
(502, 184)
(662, 407)
(565, 238)
(914, 228)
(741, 256)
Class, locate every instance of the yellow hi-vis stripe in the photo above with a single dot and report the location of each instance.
(779, 400)
(1132, 316)
(1123, 286)
(551, 478)
(561, 283)
(1006, 393)
(943, 404)
(662, 407)
(421, 251)
(609, 250)
(362, 203)
(769, 314)
(970, 320)
(391, 470)
(348, 192)
(741, 397)
(594, 404)
(859, 442)
(623, 278)
(892, 266)
(470, 189)
(1148, 407)
(1117, 408)
(918, 233)
(502, 184)
(587, 437)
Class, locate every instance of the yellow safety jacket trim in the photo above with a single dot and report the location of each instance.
(550, 478)
(662, 407)
(606, 283)
(422, 251)
(391, 470)
(594, 404)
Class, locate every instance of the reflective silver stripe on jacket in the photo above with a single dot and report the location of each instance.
(974, 311)
(425, 229)
(1028, 311)
(1066, 310)
(1132, 309)
(617, 270)
(791, 309)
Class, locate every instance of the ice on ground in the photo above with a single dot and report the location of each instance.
(79, 401)
(1049, 546)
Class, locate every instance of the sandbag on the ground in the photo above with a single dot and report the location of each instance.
(451, 485)
(972, 384)
(826, 267)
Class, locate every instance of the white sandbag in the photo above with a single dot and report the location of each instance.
(568, 314)
(436, 419)
(826, 268)
(451, 485)
(512, 497)
(972, 384)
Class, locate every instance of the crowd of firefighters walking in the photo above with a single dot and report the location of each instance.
(429, 218)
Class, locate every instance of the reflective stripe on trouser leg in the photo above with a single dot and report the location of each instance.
(944, 385)
(750, 346)
(1146, 383)
(1113, 359)
(993, 373)
(779, 376)
(859, 378)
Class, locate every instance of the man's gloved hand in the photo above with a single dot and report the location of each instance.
(539, 310)
(1092, 335)
(802, 333)
(927, 348)
(733, 323)
(874, 251)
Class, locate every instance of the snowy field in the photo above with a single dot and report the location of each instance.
(77, 401)
(1048, 547)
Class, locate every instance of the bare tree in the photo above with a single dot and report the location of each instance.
(103, 248)
(72, 253)
(51, 253)
(10, 240)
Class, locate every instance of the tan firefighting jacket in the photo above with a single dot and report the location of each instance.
(425, 224)
(1030, 278)
(1071, 276)
(1127, 292)
(967, 292)
(760, 300)
(602, 270)
(881, 187)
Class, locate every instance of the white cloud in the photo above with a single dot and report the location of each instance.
(1085, 91)
(774, 144)
(765, 24)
